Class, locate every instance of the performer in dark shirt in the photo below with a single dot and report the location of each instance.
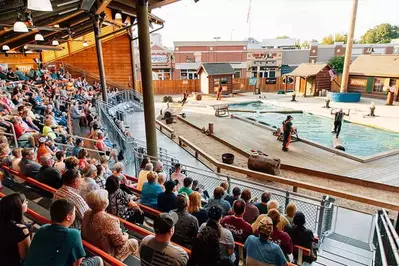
(338, 118)
(287, 128)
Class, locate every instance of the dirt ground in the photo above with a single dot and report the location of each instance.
(216, 149)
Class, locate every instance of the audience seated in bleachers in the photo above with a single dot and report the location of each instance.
(15, 236)
(151, 190)
(195, 208)
(103, 230)
(218, 201)
(56, 243)
(167, 200)
(186, 228)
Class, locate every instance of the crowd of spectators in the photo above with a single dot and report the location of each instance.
(90, 194)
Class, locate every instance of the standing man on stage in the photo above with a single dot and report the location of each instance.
(338, 118)
(185, 97)
(287, 128)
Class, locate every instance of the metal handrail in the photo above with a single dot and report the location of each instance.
(391, 241)
(392, 229)
(380, 244)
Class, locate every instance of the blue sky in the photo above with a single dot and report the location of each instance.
(301, 19)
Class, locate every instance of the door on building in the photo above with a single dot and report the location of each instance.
(302, 87)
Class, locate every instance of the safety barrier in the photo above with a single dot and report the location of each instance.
(92, 249)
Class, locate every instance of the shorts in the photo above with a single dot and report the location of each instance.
(25, 136)
(91, 261)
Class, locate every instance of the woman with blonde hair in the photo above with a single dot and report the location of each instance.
(195, 208)
(103, 230)
(290, 212)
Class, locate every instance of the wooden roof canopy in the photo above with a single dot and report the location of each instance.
(68, 15)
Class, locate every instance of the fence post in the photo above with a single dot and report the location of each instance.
(287, 199)
(229, 182)
(397, 224)
(321, 217)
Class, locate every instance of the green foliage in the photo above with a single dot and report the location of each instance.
(328, 39)
(283, 37)
(305, 45)
(382, 33)
(331, 39)
(337, 63)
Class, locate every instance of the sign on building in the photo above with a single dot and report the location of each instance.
(358, 82)
(159, 58)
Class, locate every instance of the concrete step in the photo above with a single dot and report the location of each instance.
(344, 253)
(346, 248)
(340, 258)
(326, 262)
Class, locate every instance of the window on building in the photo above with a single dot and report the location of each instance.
(289, 80)
(379, 84)
(237, 73)
(188, 74)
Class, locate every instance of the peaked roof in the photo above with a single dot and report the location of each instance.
(307, 70)
(376, 65)
(217, 68)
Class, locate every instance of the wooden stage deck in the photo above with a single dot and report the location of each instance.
(246, 137)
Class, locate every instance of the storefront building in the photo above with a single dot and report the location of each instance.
(162, 62)
(374, 75)
(189, 56)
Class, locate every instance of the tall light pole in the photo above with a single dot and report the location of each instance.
(348, 52)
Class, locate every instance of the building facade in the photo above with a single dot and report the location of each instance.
(188, 57)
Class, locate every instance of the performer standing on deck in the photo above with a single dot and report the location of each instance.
(219, 94)
(339, 117)
(185, 97)
(287, 128)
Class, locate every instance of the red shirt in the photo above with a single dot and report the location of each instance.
(19, 130)
(238, 227)
(282, 239)
(100, 145)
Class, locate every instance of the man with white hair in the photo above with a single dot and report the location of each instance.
(48, 174)
(272, 204)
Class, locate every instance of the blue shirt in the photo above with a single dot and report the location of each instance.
(55, 245)
(76, 151)
(263, 252)
(149, 194)
(223, 204)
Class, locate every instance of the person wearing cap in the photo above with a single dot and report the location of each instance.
(158, 250)
(48, 174)
(338, 118)
(226, 239)
(287, 128)
(43, 149)
(279, 237)
(89, 183)
(301, 236)
(261, 250)
(167, 200)
(186, 228)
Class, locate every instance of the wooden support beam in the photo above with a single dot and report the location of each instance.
(162, 3)
(102, 5)
(16, 38)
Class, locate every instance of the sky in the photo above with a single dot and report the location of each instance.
(300, 19)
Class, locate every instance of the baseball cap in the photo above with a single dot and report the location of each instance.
(265, 226)
(164, 222)
(43, 139)
(289, 117)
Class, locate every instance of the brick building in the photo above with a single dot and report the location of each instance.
(188, 57)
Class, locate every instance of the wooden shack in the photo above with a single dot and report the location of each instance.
(214, 75)
(311, 78)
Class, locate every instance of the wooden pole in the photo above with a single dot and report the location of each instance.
(306, 86)
(286, 83)
(146, 77)
(100, 58)
(348, 52)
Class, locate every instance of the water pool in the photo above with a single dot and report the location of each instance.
(361, 141)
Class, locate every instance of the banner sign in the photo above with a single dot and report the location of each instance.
(358, 82)
(252, 81)
(159, 58)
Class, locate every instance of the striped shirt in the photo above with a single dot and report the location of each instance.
(155, 253)
(72, 194)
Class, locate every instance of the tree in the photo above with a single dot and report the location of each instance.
(328, 39)
(337, 63)
(341, 37)
(331, 39)
(283, 37)
(382, 33)
(305, 45)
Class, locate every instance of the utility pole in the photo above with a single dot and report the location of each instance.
(349, 44)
